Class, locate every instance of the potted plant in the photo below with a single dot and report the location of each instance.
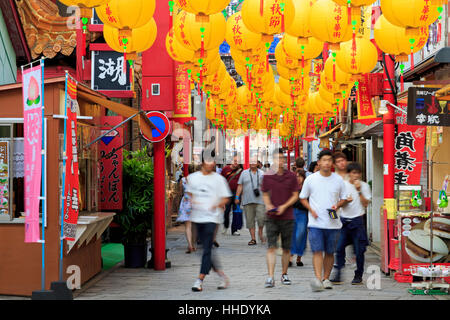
(136, 217)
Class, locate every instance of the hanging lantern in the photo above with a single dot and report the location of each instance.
(354, 7)
(309, 49)
(410, 14)
(300, 27)
(294, 73)
(294, 87)
(218, 76)
(341, 78)
(126, 15)
(200, 35)
(285, 60)
(203, 8)
(328, 23)
(239, 37)
(275, 15)
(361, 60)
(393, 40)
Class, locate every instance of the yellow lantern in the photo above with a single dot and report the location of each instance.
(329, 23)
(309, 49)
(294, 87)
(294, 73)
(361, 59)
(200, 35)
(217, 77)
(354, 7)
(410, 14)
(285, 60)
(300, 27)
(141, 39)
(393, 40)
(85, 6)
(239, 37)
(273, 17)
(341, 78)
(181, 54)
(202, 8)
(126, 14)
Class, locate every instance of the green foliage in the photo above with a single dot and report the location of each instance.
(136, 216)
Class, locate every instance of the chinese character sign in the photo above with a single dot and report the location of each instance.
(4, 177)
(409, 150)
(425, 110)
(71, 188)
(108, 72)
(32, 124)
(366, 111)
(111, 164)
(182, 92)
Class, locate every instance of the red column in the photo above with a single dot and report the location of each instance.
(388, 156)
(297, 148)
(247, 151)
(159, 221)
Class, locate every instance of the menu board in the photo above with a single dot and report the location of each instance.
(4, 177)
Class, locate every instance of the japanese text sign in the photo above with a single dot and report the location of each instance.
(182, 92)
(32, 124)
(366, 111)
(409, 150)
(425, 110)
(108, 72)
(111, 161)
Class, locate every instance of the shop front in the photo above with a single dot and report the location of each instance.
(20, 270)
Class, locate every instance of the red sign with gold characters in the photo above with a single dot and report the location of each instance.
(71, 189)
(366, 111)
(310, 128)
(182, 93)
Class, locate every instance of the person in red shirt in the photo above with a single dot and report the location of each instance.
(232, 172)
(280, 192)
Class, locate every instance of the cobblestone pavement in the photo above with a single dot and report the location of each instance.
(246, 267)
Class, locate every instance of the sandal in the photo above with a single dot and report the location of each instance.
(252, 242)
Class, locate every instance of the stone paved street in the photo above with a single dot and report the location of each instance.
(246, 267)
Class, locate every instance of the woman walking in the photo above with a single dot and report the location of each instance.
(300, 227)
(184, 213)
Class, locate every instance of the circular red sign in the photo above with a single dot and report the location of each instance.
(162, 126)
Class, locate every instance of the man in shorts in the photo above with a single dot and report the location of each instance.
(280, 191)
(249, 188)
(322, 194)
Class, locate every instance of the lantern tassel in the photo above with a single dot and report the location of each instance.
(282, 22)
(131, 73)
(334, 72)
(402, 85)
(349, 14)
(170, 21)
(125, 62)
(202, 49)
(412, 60)
(83, 42)
(303, 62)
(439, 33)
(261, 7)
(267, 61)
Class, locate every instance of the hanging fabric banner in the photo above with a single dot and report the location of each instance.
(182, 93)
(409, 151)
(366, 111)
(71, 189)
(32, 124)
(310, 128)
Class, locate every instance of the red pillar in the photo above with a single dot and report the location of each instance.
(247, 151)
(388, 154)
(297, 148)
(159, 219)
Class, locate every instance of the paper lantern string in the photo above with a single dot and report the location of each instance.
(261, 7)
(402, 86)
(282, 4)
(125, 42)
(267, 56)
(349, 11)
(411, 41)
(202, 48)
(84, 21)
(171, 4)
(354, 45)
(131, 73)
(334, 66)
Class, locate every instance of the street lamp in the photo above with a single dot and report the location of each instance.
(383, 107)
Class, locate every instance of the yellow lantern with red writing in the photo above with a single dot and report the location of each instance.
(309, 49)
(294, 87)
(203, 8)
(300, 27)
(357, 61)
(410, 14)
(239, 37)
(287, 61)
(354, 7)
(335, 78)
(294, 73)
(328, 22)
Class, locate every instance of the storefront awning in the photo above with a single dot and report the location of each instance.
(144, 123)
(375, 129)
(326, 134)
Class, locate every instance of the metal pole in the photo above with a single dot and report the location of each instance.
(432, 213)
(159, 228)
(43, 177)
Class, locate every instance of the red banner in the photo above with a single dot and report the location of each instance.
(111, 160)
(182, 93)
(310, 128)
(366, 111)
(71, 189)
(409, 150)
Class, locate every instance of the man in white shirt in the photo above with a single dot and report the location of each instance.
(210, 193)
(323, 193)
(353, 230)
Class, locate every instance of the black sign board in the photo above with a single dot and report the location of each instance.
(424, 109)
(108, 71)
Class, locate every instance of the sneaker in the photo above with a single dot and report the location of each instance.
(197, 285)
(236, 233)
(216, 244)
(316, 285)
(357, 280)
(225, 231)
(336, 278)
(327, 284)
(270, 283)
(224, 282)
(285, 279)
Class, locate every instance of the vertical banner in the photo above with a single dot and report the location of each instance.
(182, 92)
(310, 128)
(409, 151)
(366, 111)
(4, 177)
(32, 126)
(71, 189)
(111, 161)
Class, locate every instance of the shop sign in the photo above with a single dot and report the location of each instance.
(425, 110)
(71, 187)
(111, 161)
(409, 150)
(32, 124)
(109, 72)
(4, 177)
(366, 110)
(182, 93)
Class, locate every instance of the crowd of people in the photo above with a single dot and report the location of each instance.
(324, 204)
